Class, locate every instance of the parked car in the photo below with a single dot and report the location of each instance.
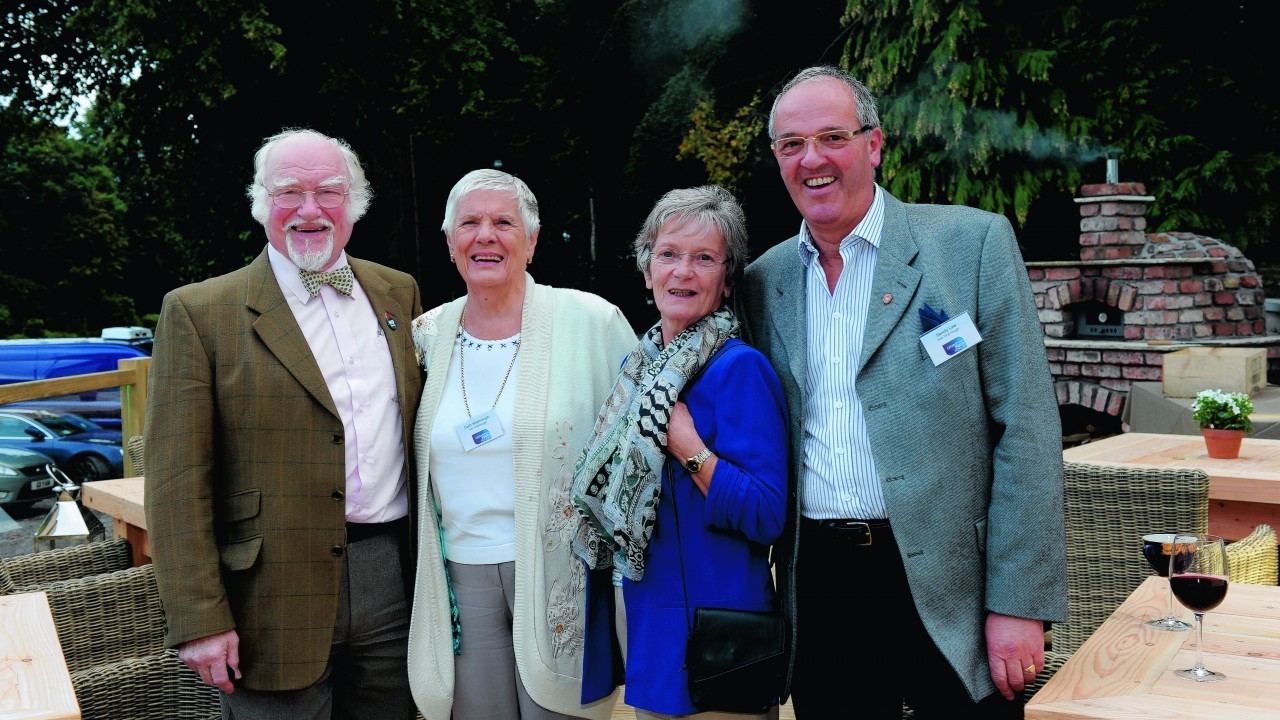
(82, 449)
(23, 477)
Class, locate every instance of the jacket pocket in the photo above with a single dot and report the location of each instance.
(240, 506)
(241, 554)
(980, 528)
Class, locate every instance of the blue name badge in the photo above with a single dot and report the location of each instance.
(950, 338)
(483, 428)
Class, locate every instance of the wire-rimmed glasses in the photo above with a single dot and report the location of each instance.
(325, 198)
(827, 140)
(702, 261)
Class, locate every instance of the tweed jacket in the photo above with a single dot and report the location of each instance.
(246, 468)
(571, 344)
(969, 452)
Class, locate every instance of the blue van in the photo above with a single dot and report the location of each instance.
(41, 359)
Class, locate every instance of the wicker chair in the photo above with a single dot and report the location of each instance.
(155, 687)
(137, 458)
(1108, 510)
(25, 573)
(1254, 559)
(111, 628)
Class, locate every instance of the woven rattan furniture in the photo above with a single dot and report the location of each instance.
(24, 573)
(1108, 510)
(155, 687)
(133, 448)
(108, 617)
(111, 628)
(1254, 558)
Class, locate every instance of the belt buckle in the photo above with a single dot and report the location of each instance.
(856, 526)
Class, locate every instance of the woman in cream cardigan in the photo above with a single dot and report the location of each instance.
(515, 373)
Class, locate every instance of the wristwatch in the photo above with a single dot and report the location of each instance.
(694, 464)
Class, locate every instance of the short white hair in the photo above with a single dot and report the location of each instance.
(359, 193)
(486, 179)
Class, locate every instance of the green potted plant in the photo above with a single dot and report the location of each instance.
(1223, 418)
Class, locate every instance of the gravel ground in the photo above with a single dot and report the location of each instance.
(20, 540)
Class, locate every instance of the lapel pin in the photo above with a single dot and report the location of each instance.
(887, 299)
(391, 321)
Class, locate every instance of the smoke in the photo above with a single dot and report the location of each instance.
(664, 32)
(926, 112)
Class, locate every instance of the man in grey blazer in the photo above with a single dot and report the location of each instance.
(279, 479)
(925, 546)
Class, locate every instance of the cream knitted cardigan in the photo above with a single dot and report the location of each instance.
(571, 345)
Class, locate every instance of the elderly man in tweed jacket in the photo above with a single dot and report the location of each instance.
(926, 537)
(279, 486)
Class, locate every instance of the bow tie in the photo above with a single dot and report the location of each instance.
(339, 279)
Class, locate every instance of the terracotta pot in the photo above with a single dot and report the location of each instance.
(1224, 444)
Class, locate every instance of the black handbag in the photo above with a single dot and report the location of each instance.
(735, 659)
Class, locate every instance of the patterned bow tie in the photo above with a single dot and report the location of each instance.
(339, 279)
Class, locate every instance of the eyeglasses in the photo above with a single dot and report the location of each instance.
(829, 140)
(325, 198)
(702, 261)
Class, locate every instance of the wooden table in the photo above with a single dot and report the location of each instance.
(122, 500)
(34, 682)
(1125, 669)
(1243, 492)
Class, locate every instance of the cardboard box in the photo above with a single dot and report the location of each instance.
(1229, 369)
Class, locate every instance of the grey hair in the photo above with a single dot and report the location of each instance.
(486, 179)
(359, 192)
(862, 97)
(701, 207)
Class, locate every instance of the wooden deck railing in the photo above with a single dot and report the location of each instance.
(130, 377)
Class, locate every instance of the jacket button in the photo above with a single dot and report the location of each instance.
(337, 439)
(337, 495)
(336, 551)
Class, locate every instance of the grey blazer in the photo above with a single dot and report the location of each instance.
(969, 452)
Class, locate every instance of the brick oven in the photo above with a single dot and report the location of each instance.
(1110, 317)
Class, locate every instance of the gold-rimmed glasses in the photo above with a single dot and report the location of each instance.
(325, 198)
(827, 140)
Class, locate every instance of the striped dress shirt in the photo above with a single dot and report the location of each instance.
(840, 478)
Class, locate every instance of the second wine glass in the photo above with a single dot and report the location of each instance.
(1157, 549)
(1199, 578)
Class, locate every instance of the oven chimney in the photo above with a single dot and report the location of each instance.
(1113, 170)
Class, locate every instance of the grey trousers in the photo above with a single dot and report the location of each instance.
(486, 683)
(367, 677)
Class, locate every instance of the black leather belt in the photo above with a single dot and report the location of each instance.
(849, 532)
(363, 531)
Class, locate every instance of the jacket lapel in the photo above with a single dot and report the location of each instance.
(279, 331)
(895, 279)
(790, 317)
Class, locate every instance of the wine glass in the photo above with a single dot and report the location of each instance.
(1156, 548)
(1199, 579)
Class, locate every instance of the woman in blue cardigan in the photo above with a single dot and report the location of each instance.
(695, 425)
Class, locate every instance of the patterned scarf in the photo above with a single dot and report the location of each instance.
(618, 478)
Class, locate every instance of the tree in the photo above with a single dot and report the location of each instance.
(63, 218)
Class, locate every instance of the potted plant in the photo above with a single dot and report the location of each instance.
(1223, 418)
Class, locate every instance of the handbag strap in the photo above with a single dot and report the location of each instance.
(675, 507)
(684, 585)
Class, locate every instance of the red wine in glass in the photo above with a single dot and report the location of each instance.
(1199, 579)
(1157, 549)
(1200, 593)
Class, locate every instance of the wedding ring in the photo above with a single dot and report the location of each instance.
(1030, 669)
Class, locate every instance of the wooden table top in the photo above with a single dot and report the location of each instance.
(1125, 669)
(121, 499)
(1252, 477)
(34, 681)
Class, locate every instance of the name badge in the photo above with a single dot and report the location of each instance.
(483, 428)
(950, 339)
